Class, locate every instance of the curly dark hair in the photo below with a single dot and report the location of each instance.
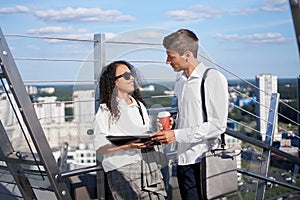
(107, 87)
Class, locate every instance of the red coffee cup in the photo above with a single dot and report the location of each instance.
(164, 119)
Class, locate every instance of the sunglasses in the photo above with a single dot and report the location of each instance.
(126, 76)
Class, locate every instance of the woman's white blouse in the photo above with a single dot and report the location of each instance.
(129, 123)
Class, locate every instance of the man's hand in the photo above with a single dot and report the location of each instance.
(160, 127)
(164, 136)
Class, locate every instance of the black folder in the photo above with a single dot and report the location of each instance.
(125, 139)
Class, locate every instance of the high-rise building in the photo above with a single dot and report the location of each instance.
(49, 110)
(84, 105)
(31, 90)
(266, 84)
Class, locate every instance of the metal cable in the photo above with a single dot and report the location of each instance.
(60, 81)
(79, 40)
(49, 37)
(21, 127)
(246, 111)
(137, 43)
(250, 85)
(244, 80)
(244, 125)
(57, 59)
(136, 61)
(268, 108)
(294, 109)
(277, 126)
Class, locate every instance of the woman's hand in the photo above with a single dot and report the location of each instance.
(140, 145)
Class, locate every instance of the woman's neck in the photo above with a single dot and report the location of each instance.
(126, 98)
(129, 100)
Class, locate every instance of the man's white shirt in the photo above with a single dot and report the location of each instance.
(192, 134)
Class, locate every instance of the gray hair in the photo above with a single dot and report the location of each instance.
(181, 41)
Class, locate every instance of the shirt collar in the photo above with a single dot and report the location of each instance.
(122, 102)
(197, 73)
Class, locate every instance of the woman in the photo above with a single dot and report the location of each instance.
(130, 175)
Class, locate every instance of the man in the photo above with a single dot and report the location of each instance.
(193, 134)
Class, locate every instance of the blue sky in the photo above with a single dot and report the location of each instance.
(245, 37)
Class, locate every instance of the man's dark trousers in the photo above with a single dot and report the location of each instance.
(189, 181)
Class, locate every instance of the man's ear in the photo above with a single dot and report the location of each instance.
(188, 53)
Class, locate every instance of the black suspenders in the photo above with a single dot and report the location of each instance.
(140, 111)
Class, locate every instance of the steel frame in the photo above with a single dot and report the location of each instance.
(10, 72)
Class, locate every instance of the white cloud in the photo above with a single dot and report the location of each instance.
(68, 33)
(110, 35)
(72, 36)
(80, 36)
(267, 6)
(143, 35)
(275, 6)
(50, 30)
(155, 34)
(65, 32)
(201, 12)
(14, 10)
(247, 11)
(196, 12)
(83, 15)
(257, 38)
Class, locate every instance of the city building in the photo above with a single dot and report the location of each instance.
(82, 155)
(266, 84)
(31, 90)
(84, 105)
(49, 110)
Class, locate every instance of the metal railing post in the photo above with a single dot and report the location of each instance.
(99, 56)
(266, 155)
